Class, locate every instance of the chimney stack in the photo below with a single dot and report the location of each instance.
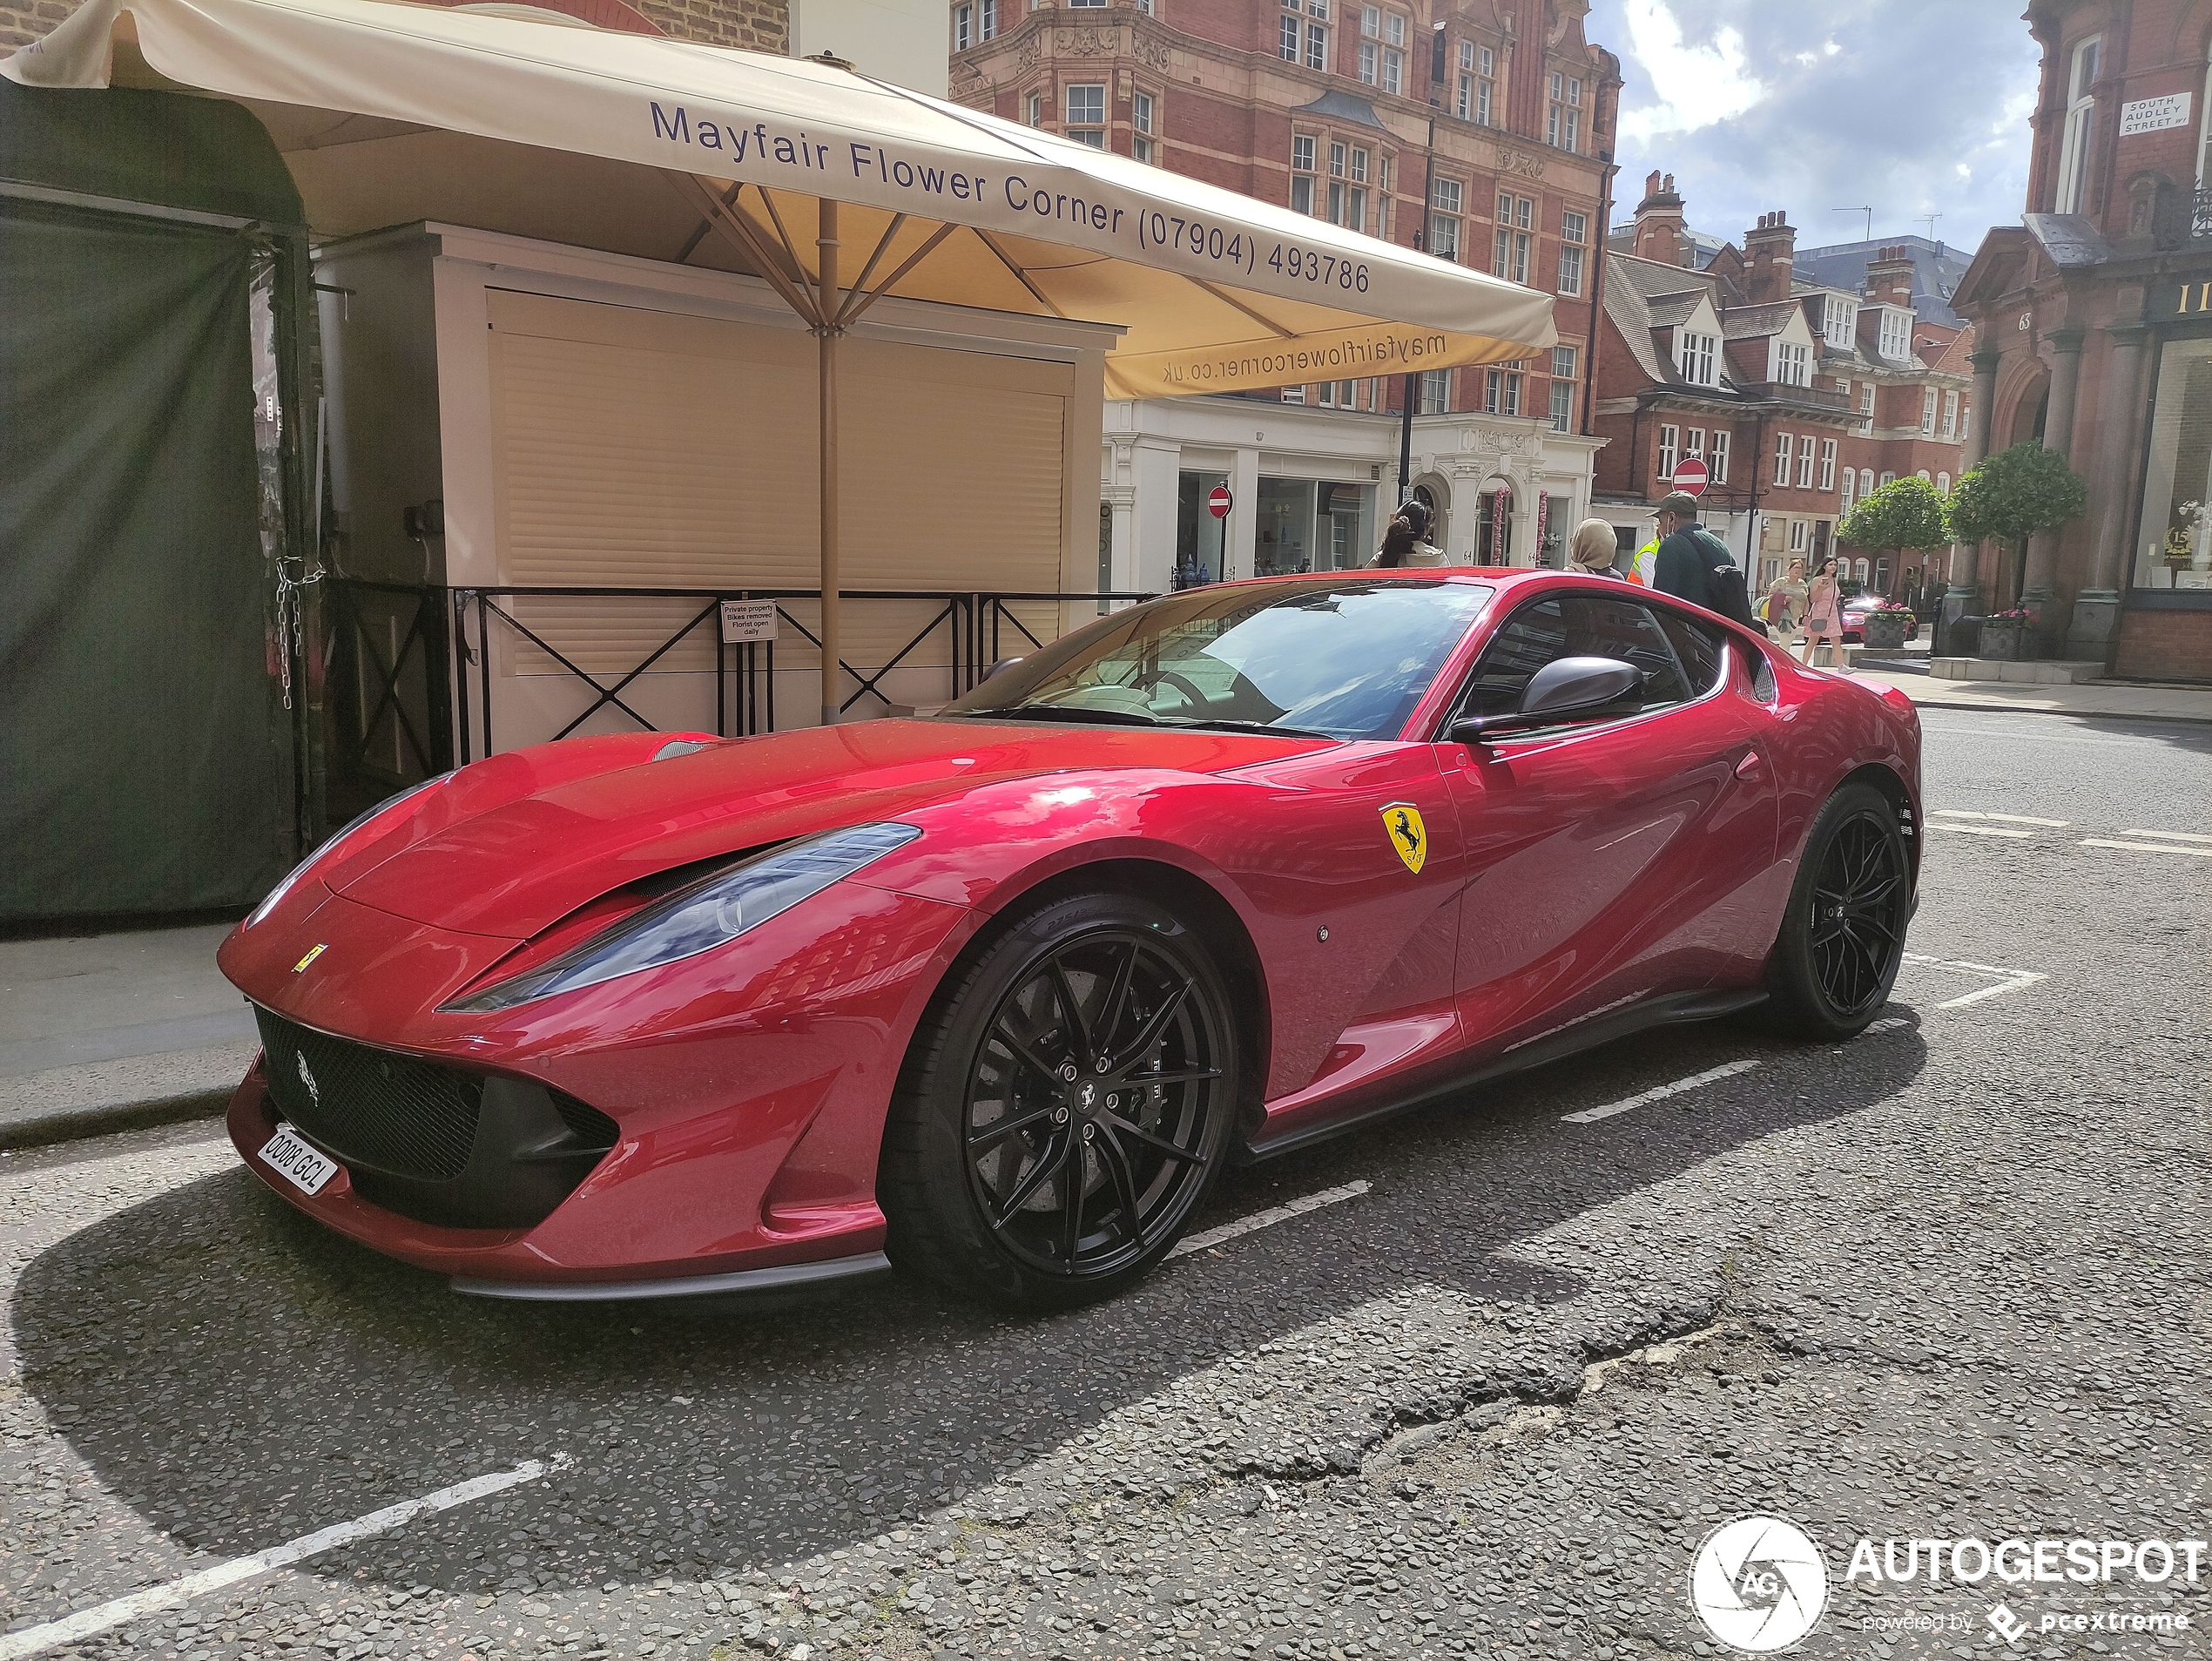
(1771, 251)
(1658, 223)
(1889, 275)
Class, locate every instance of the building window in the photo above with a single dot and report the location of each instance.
(1805, 462)
(1444, 198)
(1670, 449)
(1293, 395)
(1083, 2)
(1436, 391)
(1563, 126)
(1035, 116)
(1784, 453)
(1563, 362)
(1827, 463)
(1888, 479)
(1696, 358)
(1943, 484)
(1478, 83)
(2081, 124)
(989, 29)
(1347, 185)
(1573, 228)
(1792, 364)
(1717, 464)
(1839, 323)
(1897, 335)
(1141, 118)
(1516, 217)
(1950, 414)
(1927, 412)
(1867, 400)
(1562, 406)
(1393, 53)
(1849, 478)
(1087, 114)
(1800, 534)
(1287, 45)
(1302, 173)
(963, 28)
(1866, 483)
(1502, 392)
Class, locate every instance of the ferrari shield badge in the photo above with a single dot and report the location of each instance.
(1408, 835)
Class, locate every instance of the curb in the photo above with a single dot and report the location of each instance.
(45, 1129)
(2070, 714)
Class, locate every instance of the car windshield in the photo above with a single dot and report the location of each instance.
(1343, 657)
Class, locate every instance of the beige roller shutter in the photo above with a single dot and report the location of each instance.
(642, 449)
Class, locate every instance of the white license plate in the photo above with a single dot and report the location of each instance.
(296, 1162)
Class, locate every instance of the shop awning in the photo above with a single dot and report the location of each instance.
(834, 188)
(1216, 291)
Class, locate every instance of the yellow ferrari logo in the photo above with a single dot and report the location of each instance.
(1408, 835)
(300, 967)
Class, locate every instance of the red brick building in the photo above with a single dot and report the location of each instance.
(1799, 397)
(2095, 318)
(1483, 133)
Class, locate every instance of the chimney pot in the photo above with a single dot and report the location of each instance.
(1651, 183)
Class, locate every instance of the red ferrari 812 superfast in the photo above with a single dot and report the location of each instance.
(996, 993)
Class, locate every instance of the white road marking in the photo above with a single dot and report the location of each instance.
(1978, 830)
(2010, 979)
(2168, 836)
(72, 1629)
(1274, 1214)
(1657, 1093)
(2146, 848)
(2010, 819)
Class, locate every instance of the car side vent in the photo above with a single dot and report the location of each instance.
(586, 1123)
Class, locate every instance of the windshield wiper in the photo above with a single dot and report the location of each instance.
(1063, 712)
(1270, 728)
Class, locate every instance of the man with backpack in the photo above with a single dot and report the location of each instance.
(1693, 564)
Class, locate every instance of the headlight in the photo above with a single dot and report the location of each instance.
(269, 900)
(698, 918)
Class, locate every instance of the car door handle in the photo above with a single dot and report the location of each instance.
(1748, 768)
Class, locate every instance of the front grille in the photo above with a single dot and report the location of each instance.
(373, 1109)
(591, 1127)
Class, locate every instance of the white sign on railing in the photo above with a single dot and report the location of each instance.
(2155, 115)
(747, 621)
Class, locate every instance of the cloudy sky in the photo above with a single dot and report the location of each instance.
(1910, 107)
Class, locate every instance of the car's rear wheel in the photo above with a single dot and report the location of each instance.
(1843, 936)
(1065, 1107)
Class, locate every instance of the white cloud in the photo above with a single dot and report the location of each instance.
(1693, 87)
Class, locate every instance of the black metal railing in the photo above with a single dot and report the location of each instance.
(977, 627)
(385, 649)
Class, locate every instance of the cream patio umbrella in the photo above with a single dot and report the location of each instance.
(797, 171)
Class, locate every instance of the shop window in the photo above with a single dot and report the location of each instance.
(2174, 541)
(1286, 526)
(1198, 533)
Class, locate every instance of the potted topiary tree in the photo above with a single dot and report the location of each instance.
(2011, 495)
(1904, 513)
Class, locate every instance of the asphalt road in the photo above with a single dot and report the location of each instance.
(1945, 1281)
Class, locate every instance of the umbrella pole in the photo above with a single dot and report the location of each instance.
(826, 332)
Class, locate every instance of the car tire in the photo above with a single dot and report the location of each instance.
(1843, 934)
(1040, 1159)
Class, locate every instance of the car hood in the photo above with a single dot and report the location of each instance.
(548, 842)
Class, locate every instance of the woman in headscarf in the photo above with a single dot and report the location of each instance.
(1593, 548)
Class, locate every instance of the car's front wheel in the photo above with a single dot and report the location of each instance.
(1065, 1107)
(1843, 936)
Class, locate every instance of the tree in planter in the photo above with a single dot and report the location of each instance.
(1904, 513)
(2013, 494)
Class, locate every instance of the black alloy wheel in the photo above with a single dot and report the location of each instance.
(1843, 937)
(1082, 1079)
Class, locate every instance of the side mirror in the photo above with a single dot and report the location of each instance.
(1562, 690)
(1003, 663)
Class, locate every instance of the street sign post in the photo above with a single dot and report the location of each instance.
(1690, 476)
(1218, 501)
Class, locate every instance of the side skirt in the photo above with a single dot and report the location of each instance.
(1672, 1010)
(790, 1278)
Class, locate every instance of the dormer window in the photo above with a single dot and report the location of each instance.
(1897, 335)
(1792, 364)
(1840, 321)
(1695, 357)
(2080, 122)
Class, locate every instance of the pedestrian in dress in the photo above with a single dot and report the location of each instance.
(1594, 550)
(1824, 617)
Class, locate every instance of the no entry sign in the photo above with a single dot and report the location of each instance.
(1217, 502)
(1690, 476)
